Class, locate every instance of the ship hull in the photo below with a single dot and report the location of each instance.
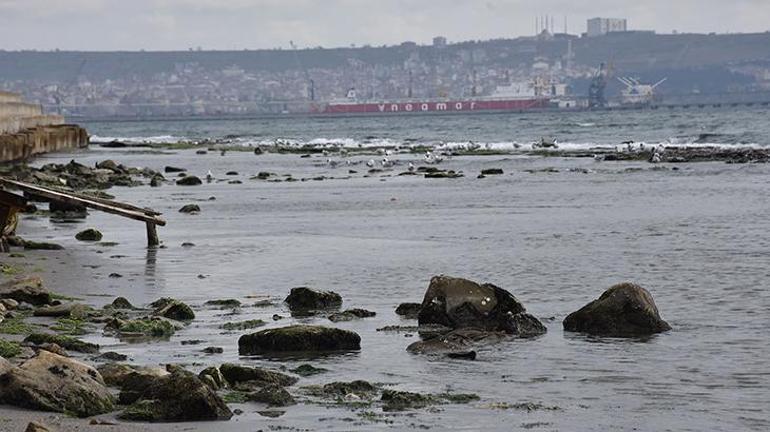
(417, 107)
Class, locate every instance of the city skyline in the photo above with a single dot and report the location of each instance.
(105, 25)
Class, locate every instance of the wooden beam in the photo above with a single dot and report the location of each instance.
(152, 235)
(96, 204)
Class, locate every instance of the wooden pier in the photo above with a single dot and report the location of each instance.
(11, 204)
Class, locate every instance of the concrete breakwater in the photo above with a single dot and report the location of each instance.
(25, 131)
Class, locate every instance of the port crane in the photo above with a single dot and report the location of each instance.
(637, 93)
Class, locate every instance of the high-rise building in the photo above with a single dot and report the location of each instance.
(602, 26)
(439, 41)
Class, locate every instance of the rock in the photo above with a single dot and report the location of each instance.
(121, 303)
(231, 173)
(156, 181)
(175, 310)
(180, 396)
(224, 303)
(299, 338)
(52, 347)
(201, 152)
(50, 382)
(65, 342)
(111, 165)
(305, 370)
(61, 208)
(213, 378)
(37, 427)
(9, 303)
(213, 350)
(123, 375)
(395, 400)
(33, 245)
(492, 171)
(460, 303)
(190, 208)
(236, 375)
(351, 314)
(341, 388)
(465, 355)
(112, 356)
(625, 310)
(29, 290)
(242, 325)
(74, 310)
(150, 326)
(455, 341)
(173, 169)
(90, 234)
(189, 181)
(307, 299)
(409, 310)
(273, 395)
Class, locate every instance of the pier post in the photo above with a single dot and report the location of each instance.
(152, 235)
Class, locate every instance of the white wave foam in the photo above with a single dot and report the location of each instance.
(160, 139)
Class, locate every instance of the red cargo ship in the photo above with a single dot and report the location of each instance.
(513, 97)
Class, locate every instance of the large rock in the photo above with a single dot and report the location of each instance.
(90, 234)
(180, 396)
(460, 303)
(299, 338)
(248, 377)
(273, 395)
(189, 181)
(625, 310)
(307, 299)
(28, 290)
(50, 382)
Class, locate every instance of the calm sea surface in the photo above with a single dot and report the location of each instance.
(697, 238)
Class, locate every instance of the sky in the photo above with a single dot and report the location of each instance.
(105, 25)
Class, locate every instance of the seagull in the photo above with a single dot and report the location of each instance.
(370, 163)
(209, 176)
(411, 167)
(331, 163)
(386, 162)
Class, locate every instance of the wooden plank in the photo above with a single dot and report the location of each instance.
(88, 202)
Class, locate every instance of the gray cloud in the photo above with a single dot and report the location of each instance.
(240, 24)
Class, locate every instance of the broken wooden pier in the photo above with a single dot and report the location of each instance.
(11, 204)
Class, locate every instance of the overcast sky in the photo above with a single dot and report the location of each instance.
(241, 24)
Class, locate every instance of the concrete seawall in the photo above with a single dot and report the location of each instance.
(25, 131)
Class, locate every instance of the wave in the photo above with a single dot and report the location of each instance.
(369, 142)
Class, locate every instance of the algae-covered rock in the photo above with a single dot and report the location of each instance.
(121, 303)
(460, 340)
(625, 310)
(28, 290)
(273, 395)
(242, 325)
(150, 326)
(224, 303)
(305, 370)
(180, 396)
(89, 234)
(461, 303)
(50, 382)
(307, 299)
(9, 349)
(236, 375)
(299, 338)
(351, 314)
(492, 171)
(66, 342)
(74, 310)
(394, 400)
